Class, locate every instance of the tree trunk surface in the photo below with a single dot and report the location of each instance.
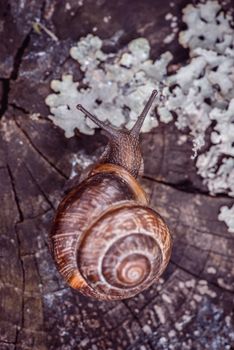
(191, 307)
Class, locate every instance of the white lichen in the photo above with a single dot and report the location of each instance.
(201, 93)
(204, 96)
(227, 215)
(211, 270)
(116, 86)
(174, 26)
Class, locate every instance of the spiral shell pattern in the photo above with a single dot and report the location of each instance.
(105, 240)
(124, 251)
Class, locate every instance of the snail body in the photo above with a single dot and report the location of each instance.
(106, 240)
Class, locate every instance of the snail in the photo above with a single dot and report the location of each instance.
(106, 240)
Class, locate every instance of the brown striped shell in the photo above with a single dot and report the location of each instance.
(106, 241)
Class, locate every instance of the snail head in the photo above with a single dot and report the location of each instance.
(124, 147)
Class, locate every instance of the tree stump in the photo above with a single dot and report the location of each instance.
(191, 307)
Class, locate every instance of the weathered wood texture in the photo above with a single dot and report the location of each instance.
(192, 305)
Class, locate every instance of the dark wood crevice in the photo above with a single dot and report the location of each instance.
(5, 94)
(14, 75)
(17, 201)
(17, 60)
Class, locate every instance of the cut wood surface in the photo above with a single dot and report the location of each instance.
(191, 307)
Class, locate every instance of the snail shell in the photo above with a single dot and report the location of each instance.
(106, 241)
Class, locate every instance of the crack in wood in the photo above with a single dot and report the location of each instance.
(14, 74)
(21, 219)
(198, 230)
(137, 320)
(17, 201)
(21, 326)
(180, 188)
(132, 313)
(5, 95)
(6, 342)
(208, 251)
(28, 218)
(48, 161)
(19, 108)
(18, 58)
(40, 189)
